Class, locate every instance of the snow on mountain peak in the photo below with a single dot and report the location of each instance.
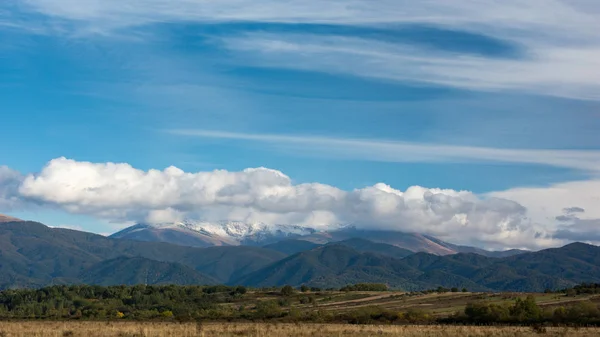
(238, 231)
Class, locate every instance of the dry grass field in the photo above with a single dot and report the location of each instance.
(140, 329)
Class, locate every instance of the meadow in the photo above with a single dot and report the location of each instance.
(148, 311)
(171, 329)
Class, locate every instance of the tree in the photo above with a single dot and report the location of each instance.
(304, 288)
(526, 310)
(287, 290)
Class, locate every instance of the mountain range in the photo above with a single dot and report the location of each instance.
(233, 233)
(34, 255)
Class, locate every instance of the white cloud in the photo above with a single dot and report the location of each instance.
(546, 203)
(549, 70)
(398, 151)
(66, 226)
(120, 192)
(558, 37)
(569, 210)
(573, 15)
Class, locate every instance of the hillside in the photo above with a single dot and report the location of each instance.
(366, 246)
(468, 249)
(205, 234)
(292, 246)
(6, 218)
(138, 270)
(32, 254)
(333, 266)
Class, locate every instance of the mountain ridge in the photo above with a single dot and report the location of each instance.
(35, 255)
(232, 233)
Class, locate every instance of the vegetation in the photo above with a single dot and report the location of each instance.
(353, 304)
(168, 329)
(366, 287)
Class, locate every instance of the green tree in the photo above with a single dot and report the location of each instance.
(526, 310)
(287, 290)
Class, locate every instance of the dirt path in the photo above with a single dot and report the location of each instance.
(359, 300)
(569, 300)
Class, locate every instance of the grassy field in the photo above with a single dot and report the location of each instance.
(435, 305)
(438, 304)
(139, 329)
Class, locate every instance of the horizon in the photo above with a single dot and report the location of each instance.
(475, 122)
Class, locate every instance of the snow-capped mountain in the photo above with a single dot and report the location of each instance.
(234, 233)
(203, 234)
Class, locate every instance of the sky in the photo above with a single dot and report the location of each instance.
(476, 121)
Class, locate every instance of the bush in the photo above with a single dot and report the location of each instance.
(267, 309)
(287, 290)
(365, 287)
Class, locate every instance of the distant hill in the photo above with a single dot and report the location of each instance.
(467, 249)
(34, 255)
(205, 234)
(366, 246)
(6, 218)
(138, 270)
(333, 265)
(179, 235)
(337, 264)
(292, 246)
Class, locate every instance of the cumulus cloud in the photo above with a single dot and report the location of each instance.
(546, 203)
(551, 206)
(121, 192)
(518, 218)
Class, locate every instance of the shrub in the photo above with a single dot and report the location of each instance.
(287, 290)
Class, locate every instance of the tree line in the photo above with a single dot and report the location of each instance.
(284, 304)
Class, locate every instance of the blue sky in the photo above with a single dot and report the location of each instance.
(484, 96)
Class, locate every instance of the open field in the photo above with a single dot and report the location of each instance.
(437, 304)
(141, 329)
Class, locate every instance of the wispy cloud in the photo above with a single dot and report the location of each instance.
(558, 37)
(547, 70)
(399, 151)
(555, 15)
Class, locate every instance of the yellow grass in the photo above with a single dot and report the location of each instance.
(133, 329)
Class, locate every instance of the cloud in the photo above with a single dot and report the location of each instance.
(556, 70)
(120, 192)
(9, 186)
(516, 14)
(516, 218)
(577, 229)
(557, 37)
(72, 227)
(544, 205)
(570, 210)
(398, 151)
